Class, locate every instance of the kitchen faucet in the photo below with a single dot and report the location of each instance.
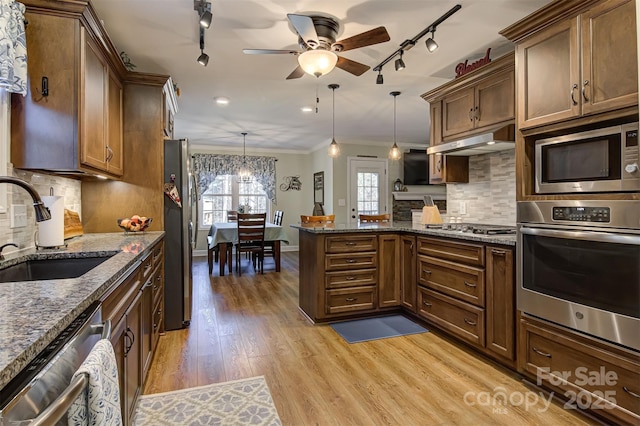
(6, 245)
(42, 212)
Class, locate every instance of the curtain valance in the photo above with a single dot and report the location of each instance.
(207, 166)
(13, 47)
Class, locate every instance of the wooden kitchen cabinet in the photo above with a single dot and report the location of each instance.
(448, 169)
(389, 270)
(77, 126)
(581, 369)
(582, 64)
(500, 301)
(408, 272)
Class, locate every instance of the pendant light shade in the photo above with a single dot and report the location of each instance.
(334, 149)
(317, 62)
(244, 174)
(394, 153)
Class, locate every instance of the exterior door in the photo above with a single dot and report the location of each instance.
(368, 186)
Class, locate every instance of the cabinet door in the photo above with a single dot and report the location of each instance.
(93, 104)
(457, 112)
(119, 343)
(133, 354)
(495, 100)
(389, 271)
(548, 77)
(435, 115)
(408, 272)
(436, 168)
(115, 127)
(500, 330)
(147, 324)
(609, 56)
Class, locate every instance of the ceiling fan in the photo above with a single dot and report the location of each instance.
(317, 39)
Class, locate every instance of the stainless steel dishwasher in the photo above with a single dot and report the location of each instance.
(42, 392)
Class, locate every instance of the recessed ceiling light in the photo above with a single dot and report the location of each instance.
(221, 100)
(306, 109)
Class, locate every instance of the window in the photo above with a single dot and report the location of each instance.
(226, 193)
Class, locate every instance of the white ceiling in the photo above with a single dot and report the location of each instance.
(161, 36)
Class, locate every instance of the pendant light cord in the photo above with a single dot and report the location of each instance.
(333, 132)
(394, 118)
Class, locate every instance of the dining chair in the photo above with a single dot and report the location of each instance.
(374, 218)
(317, 220)
(269, 246)
(232, 216)
(251, 238)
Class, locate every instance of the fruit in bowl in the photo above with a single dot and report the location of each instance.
(135, 223)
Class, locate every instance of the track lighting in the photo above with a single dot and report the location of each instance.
(400, 63)
(431, 43)
(204, 12)
(203, 59)
(380, 78)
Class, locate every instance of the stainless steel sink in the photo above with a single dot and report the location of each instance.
(50, 269)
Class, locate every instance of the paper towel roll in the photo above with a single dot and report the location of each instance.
(51, 232)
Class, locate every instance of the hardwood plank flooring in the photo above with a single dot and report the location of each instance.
(250, 326)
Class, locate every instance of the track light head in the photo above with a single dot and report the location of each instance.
(400, 63)
(380, 78)
(431, 43)
(204, 12)
(205, 19)
(203, 59)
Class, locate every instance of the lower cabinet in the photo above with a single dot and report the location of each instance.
(134, 305)
(588, 373)
(389, 270)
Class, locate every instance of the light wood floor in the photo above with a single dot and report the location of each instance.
(250, 326)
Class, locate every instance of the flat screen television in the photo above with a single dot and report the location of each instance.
(416, 167)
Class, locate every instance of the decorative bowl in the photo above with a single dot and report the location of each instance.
(135, 223)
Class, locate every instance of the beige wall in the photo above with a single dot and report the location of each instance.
(292, 203)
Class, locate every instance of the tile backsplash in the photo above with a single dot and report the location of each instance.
(70, 189)
(490, 195)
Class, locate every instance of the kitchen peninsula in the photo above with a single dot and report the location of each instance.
(463, 283)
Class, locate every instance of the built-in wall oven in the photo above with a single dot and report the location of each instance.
(578, 265)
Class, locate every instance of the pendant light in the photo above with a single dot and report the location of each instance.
(244, 174)
(394, 154)
(334, 149)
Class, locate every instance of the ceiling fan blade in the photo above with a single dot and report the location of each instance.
(353, 67)
(269, 52)
(297, 73)
(367, 38)
(305, 28)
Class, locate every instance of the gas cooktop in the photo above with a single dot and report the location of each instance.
(475, 228)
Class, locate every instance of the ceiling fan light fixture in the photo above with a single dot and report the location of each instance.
(203, 59)
(317, 62)
(431, 44)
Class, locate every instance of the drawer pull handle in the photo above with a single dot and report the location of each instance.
(426, 303)
(147, 266)
(539, 352)
(350, 261)
(351, 299)
(350, 243)
(426, 271)
(155, 288)
(633, 394)
(470, 322)
(472, 285)
(573, 88)
(498, 252)
(350, 278)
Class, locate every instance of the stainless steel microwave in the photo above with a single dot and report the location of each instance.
(601, 160)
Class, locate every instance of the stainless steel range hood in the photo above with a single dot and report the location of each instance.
(497, 139)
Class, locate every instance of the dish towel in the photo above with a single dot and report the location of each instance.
(99, 404)
(13, 47)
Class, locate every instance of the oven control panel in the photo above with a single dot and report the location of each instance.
(582, 214)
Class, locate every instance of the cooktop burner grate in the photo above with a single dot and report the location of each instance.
(475, 228)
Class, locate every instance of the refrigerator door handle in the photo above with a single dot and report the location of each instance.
(194, 201)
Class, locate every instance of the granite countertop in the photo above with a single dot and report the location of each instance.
(33, 313)
(415, 228)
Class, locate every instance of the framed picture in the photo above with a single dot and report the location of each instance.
(318, 187)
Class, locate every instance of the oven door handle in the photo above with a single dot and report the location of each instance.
(605, 237)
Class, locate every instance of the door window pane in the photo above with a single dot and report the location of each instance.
(368, 201)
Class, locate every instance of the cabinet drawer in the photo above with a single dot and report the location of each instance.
(350, 243)
(459, 318)
(117, 300)
(565, 362)
(460, 281)
(147, 266)
(350, 278)
(158, 284)
(333, 262)
(350, 300)
(157, 254)
(470, 254)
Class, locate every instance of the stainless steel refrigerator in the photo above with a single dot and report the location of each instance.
(180, 225)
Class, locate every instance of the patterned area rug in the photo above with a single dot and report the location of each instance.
(241, 402)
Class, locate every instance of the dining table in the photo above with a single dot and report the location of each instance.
(223, 233)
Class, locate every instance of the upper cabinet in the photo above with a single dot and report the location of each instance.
(575, 58)
(71, 119)
(482, 99)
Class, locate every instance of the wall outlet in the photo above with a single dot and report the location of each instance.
(463, 207)
(18, 216)
(342, 202)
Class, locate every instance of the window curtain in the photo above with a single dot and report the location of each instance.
(207, 166)
(13, 47)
